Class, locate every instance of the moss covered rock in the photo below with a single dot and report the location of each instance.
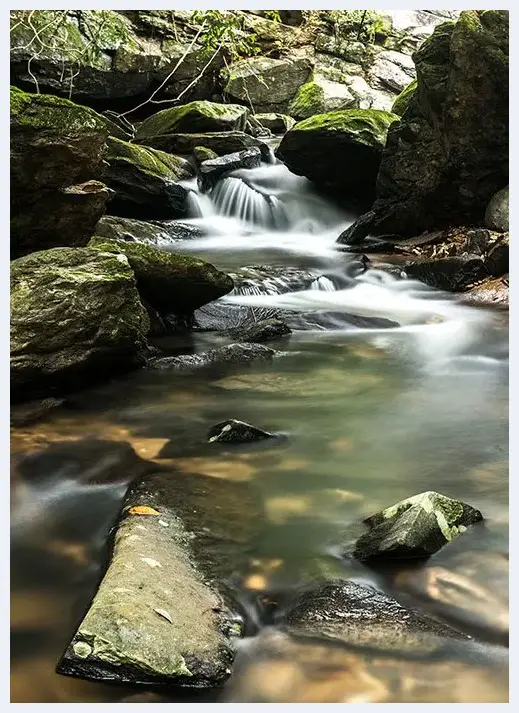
(220, 142)
(402, 101)
(275, 123)
(56, 156)
(339, 151)
(167, 281)
(201, 154)
(143, 231)
(75, 315)
(146, 181)
(309, 100)
(449, 154)
(264, 83)
(198, 116)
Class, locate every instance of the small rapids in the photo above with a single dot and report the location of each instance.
(386, 387)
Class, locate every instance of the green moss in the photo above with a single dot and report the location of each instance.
(150, 161)
(308, 101)
(402, 101)
(44, 111)
(192, 118)
(369, 126)
(201, 154)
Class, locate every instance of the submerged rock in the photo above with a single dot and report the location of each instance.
(340, 150)
(56, 157)
(75, 314)
(146, 181)
(364, 617)
(162, 614)
(195, 117)
(33, 411)
(222, 142)
(142, 231)
(166, 280)
(242, 354)
(211, 171)
(497, 212)
(415, 528)
(233, 431)
(259, 331)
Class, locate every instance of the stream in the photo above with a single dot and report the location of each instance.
(385, 388)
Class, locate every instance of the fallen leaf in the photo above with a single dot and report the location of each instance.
(142, 510)
(164, 614)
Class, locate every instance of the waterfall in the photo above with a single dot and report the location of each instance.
(233, 197)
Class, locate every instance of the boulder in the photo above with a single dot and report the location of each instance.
(146, 181)
(211, 171)
(339, 151)
(221, 143)
(263, 330)
(232, 354)
(442, 163)
(267, 84)
(275, 123)
(141, 231)
(402, 101)
(195, 117)
(320, 96)
(201, 154)
(163, 614)
(75, 315)
(415, 528)
(233, 431)
(365, 617)
(453, 274)
(56, 156)
(497, 260)
(166, 280)
(493, 292)
(497, 212)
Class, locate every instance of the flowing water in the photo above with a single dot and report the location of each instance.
(386, 388)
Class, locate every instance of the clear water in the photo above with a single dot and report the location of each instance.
(374, 415)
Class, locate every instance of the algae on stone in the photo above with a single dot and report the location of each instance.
(192, 118)
(402, 101)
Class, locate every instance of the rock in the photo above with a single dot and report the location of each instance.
(392, 70)
(364, 617)
(222, 142)
(497, 259)
(193, 118)
(140, 231)
(454, 274)
(118, 126)
(320, 96)
(210, 172)
(233, 431)
(261, 331)
(324, 146)
(415, 528)
(162, 614)
(242, 354)
(492, 292)
(471, 590)
(84, 461)
(56, 157)
(402, 101)
(275, 667)
(28, 413)
(75, 314)
(166, 280)
(267, 84)
(276, 123)
(442, 164)
(496, 214)
(146, 181)
(201, 154)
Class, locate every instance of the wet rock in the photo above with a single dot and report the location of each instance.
(415, 528)
(321, 148)
(233, 431)
(141, 231)
(492, 292)
(268, 84)
(75, 314)
(471, 590)
(275, 667)
(161, 614)
(275, 123)
(56, 159)
(497, 212)
(242, 354)
(320, 96)
(201, 154)
(454, 274)
(497, 259)
(402, 101)
(25, 414)
(195, 117)
(261, 331)
(222, 142)
(118, 126)
(145, 181)
(84, 461)
(364, 617)
(433, 177)
(167, 280)
(211, 171)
